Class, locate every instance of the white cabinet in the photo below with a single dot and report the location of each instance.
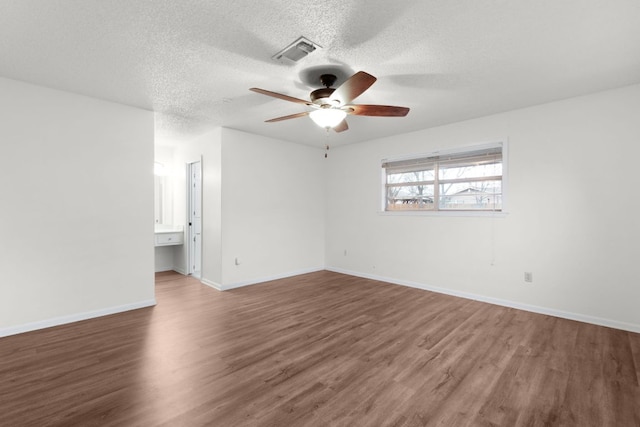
(169, 236)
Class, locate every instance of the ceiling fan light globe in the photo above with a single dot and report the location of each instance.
(327, 117)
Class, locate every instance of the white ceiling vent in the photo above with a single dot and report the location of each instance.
(296, 51)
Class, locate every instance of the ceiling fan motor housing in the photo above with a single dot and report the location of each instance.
(320, 96)
(328, 80)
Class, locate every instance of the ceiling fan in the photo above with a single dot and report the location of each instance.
(331, 106)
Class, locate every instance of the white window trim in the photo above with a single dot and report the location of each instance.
(450, 213)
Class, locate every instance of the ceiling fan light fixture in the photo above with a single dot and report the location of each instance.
(331, 106)
(328, 117)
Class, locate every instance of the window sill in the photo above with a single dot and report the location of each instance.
(488, 214)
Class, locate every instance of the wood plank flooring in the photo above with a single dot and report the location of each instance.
(321, 349)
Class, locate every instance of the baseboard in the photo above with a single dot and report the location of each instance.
(214, 285)
(62, 320)
(497, 301)
(264, 279)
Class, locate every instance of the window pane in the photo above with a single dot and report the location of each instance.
(471, 195)
(467, 179)
(410, 197)
(473, 187)
(470, 171)
(415, 176)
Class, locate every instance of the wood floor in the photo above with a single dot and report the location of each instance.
(321, 349)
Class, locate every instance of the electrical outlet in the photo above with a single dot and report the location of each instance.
(528, 277)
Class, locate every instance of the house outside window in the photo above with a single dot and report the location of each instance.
(469, 179)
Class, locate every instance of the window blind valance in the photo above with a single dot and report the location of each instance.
(476, 157)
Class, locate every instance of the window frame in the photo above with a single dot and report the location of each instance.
(502, 143)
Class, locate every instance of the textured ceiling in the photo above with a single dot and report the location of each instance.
(193, 61)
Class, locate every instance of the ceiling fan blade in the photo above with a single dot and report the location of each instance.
(353, 87)
(379, 110)
(291, 116)
(341, 127)
(281, 96)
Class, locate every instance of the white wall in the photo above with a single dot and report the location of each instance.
(263, 203)
(76, 211)
(572, 213)
(164, 259)
(164, 255)
(273, 208)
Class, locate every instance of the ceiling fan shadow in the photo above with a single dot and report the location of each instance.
(244, 43)
(310, 77)
(429, 81)
(364, 21)
(226, 109)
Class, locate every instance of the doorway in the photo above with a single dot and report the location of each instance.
(194, 208)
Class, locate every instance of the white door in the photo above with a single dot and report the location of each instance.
(195, 218)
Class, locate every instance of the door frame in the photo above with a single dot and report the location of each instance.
(190, 255)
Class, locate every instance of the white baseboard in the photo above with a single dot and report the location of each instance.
(261, 280)
(56, 321)
(13, 330)
(214, 285)
(497, 301)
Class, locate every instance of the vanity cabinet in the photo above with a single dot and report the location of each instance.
(169, 237)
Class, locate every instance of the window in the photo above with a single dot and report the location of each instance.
(468, 180)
